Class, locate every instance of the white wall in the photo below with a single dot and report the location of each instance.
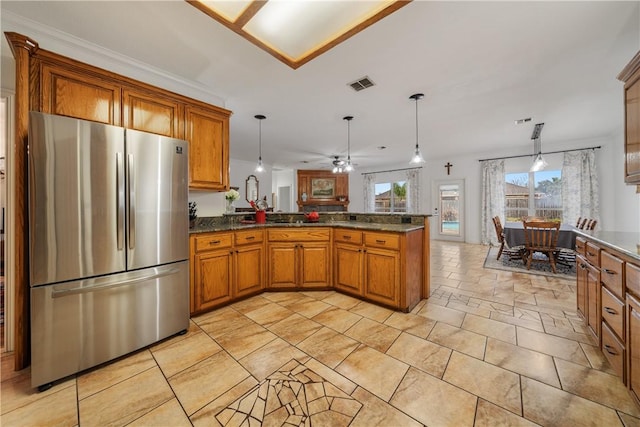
(285, 178)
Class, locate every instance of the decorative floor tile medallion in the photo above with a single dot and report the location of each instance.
(294, 395)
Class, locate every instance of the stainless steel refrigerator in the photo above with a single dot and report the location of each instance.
(108, 242)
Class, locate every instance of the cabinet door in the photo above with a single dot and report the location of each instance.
(581, 288)
(315, 265)
(79, 95)
(633, 346)
(382, 276)
(248, 270)
(593, 299)
(212, 283)
(208, 134)
(152, 113)
(282, 269)
(632, 129)
(348, 268)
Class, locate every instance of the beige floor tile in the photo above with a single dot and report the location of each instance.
(372, 311)
(597, 359)
(186, 353)
(458, 339)
(490, 415)
(222, 321)
(340, 300)
(308, 307)
(422, 354)
(244, 340)
(487, 381)
(206, 417)
(434, 402)
(7, 371)
(197, 386)
(523, 361)
(413, 324)
(597, 386)
(267, 315)
(168, 414)
(328, 346)
(373, 334)
(330, 375)
(283, 298)
(57, 408)
(109, 408)
(376, 412)
(442, 314)
(554, 346)
(251, 304)
(375, 371)
(535, 325)
(105, 376)
(17, 391)
(477, 310)
(549, 406)
(191, 330)
(628, 420)
(294, 328)
(269, 358)
(491, 328)
(337, 319)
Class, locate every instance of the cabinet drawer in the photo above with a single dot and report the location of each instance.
(613, 350)
(592, 253)
(291, 235)
(213, 241)
(249, 236)
(611, 272)
(347, 236)
(633, 278)
(613, 312)
(581, 246)
(382, 240)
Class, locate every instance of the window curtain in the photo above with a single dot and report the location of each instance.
(413, 190)
(580, 187)
(492, 199)
(369, 192)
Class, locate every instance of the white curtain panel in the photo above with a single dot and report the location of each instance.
(413, 190)
(369, 192)
(580, 187)
(492, 199)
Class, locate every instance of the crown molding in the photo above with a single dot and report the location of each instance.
(74, 47)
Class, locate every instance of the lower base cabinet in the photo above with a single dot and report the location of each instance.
(633, 346)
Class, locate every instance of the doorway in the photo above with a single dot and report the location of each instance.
(284, 199)
(449, 200)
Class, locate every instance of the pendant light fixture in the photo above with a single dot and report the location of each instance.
(417, 155)
(349, 166)
(260, 117)
(539, 163)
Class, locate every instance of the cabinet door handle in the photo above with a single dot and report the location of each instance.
(610, 310)
(380, 241)
(590, 253)
(346, 237)
(611, 272)
(250, 237)
(609, 350)
(214, 242)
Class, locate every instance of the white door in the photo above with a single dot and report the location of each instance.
(449, 200)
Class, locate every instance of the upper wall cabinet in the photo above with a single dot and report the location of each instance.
(76, 94)
(207, 131)
(631, 78)
(151, 112)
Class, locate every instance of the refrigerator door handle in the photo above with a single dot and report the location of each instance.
(120, 202)
(132, 203)
(115, 282)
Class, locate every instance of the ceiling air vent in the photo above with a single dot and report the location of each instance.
(361, 84)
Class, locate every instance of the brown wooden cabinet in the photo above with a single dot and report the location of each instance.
(152, 112)
(323, 190)
(631, 78)
(225, 267)
(581, 286)
(299, 258)
(633, 329)
(207, 131)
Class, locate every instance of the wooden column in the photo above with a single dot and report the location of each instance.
(22, 48)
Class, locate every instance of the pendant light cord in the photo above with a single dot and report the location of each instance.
(417, 122)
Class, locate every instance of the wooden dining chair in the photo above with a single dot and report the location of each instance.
(504, 247)
(591, 225)
(541, 237)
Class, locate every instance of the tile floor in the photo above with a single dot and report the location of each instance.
(488, 348)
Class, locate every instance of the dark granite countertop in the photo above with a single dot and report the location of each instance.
(624, 242)
(398, 228)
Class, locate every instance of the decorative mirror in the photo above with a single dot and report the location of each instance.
(252, 188)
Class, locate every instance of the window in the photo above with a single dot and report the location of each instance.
(536, 194)
(391, 197)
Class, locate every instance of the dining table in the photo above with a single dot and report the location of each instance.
(514, 235)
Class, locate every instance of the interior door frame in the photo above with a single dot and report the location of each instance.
(436, 203)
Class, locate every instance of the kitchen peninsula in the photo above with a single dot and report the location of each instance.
(381, 258)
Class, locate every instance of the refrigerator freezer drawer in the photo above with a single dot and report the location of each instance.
(78, 325)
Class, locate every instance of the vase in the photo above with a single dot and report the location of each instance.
(230, 207)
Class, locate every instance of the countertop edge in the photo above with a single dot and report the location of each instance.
(623, 242)
(396, 228)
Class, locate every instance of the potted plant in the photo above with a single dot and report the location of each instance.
(231, 196)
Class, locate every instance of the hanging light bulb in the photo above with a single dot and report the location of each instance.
(417, 155)
(349, 166)
(260, 167)
(539, 163)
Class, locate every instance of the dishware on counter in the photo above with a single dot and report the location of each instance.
(312, 216)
